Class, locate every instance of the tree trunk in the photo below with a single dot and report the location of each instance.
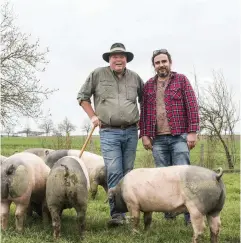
(228, 156)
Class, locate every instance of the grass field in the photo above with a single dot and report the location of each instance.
(98, 211)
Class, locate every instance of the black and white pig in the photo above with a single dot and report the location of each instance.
(23, 181)
(40, 152)
(173, 189)
(93, 162)
(67, 187)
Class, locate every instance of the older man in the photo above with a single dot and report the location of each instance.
(115, 90)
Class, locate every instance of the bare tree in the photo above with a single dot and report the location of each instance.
(218, 113)
(56, 132)
(26, 130)
(9, 129)
(47, 126)
(21, 91)
(86, 126)
(66, 126)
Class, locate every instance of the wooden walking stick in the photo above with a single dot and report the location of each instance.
(86, 142)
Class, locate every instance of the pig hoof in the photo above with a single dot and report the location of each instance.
(82, 236)
(19, 230)
(127, 219)
(135, 232)
(4, 226)
(57, 236)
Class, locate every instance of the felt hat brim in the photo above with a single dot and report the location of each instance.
(129, 55)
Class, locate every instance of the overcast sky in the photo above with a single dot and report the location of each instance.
(204, 34)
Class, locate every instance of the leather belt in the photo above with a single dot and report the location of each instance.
(118, 127)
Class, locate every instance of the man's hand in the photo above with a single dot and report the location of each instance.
(191, 140)
(147, 142)
(95, 121)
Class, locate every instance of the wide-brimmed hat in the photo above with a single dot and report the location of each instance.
(118, 48)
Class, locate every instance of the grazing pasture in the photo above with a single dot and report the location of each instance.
(98, 212)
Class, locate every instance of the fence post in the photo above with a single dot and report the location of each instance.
(201, 162)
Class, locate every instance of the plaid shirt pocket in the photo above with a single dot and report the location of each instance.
(176, 94)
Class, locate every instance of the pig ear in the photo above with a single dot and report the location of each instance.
(10, 169)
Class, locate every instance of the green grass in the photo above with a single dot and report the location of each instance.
(212, 152)
(98, 215)
(98, 211)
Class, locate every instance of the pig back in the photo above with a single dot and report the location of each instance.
(24, 174)
(54, 156)
(67, 182)
(93, 162)
(154, 189)
(40, 152)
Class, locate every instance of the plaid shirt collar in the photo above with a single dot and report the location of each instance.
(154, 79)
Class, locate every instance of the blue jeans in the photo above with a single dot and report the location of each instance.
(171, 150)
(118, 148)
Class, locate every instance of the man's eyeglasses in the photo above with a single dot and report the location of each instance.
(163, 51)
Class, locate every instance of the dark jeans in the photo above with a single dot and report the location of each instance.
(171, 150)
(118, 148)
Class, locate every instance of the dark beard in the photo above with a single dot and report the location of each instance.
(163, 75)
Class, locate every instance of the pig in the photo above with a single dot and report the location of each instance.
(23, 181)
(40, 152)
(2, 159)
(93, 162)
(174, 189)
(67, 186)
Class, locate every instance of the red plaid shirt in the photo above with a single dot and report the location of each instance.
(181, 107)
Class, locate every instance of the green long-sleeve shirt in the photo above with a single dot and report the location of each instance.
(115, 100)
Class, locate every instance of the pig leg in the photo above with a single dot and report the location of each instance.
(21, 209)
(106, 190)
(198, 224)
(147, 220)
(197, 221)
(81, 212)
(135, 216)
(56, 222)
(5, 207)
(94, 189)
(45, 213)
(214, 223)
(29, 211)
